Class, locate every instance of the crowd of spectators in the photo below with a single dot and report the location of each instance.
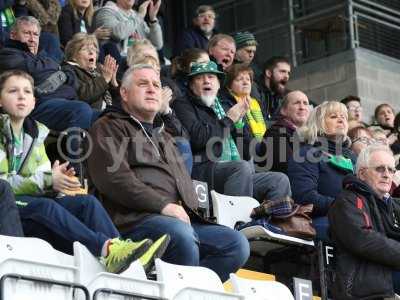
(91, 73)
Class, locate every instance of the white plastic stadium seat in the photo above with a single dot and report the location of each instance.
(92, 274)
(31, 268)
(260, 289)
(194, 283)
(229, 210)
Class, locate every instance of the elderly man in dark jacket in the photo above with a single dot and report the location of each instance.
(56, 105)
(222, 153)
(364, 224)
(143, 183)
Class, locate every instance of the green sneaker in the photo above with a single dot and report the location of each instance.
(123, 252)
(155, 251)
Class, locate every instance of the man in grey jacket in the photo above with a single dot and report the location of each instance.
(128, 25)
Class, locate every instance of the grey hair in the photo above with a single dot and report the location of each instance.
(363, 159)
(127, 78)
(315, 125)
(25, 19)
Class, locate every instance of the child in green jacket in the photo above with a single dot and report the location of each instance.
(25, 165)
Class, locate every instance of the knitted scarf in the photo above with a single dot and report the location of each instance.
(254, 118)
(229, 149)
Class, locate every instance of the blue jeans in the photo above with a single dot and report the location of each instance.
(212, 246)
(69, 219)
(10, 223)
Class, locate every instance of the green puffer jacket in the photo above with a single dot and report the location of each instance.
(34, 175)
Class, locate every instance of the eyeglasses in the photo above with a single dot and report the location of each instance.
(210, 16)
(354, 108)
(382, 169)
(364, 140)
(89, 49)
(369, 141)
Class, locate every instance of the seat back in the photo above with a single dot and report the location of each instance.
(40, 269)
(176, 278)
(229, 210)
(93, 275)
(260, 289)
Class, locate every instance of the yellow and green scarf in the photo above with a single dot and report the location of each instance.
(254, 118)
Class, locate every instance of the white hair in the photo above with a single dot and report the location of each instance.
(127, 78)
(25, 19)
(363, 159)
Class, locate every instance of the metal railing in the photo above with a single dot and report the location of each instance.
(306, 30)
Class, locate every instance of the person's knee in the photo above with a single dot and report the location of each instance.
(184, 244)
(82, 115)
(242, 168)
(5, 188)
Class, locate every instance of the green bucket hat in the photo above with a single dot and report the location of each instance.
(205, 68)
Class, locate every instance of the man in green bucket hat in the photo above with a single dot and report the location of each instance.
(221, 154)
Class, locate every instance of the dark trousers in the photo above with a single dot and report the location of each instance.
(61, 221)
(10, 223)
(71, 116)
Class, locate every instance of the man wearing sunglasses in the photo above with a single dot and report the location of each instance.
(365, 228)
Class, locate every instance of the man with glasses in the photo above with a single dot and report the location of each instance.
(201, 31)
(365, 227)
(353, 104)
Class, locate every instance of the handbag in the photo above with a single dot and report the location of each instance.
(298, 223)
(293, 219)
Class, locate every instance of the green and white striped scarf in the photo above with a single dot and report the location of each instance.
(229, 149)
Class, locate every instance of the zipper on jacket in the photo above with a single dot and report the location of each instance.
(26, 157)
(147, 136)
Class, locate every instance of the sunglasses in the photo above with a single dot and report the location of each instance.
(382, 169)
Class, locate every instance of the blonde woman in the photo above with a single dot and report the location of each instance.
(319, 165)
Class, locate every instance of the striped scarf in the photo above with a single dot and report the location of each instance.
(229, 149)
(255, 119)
(7, 17)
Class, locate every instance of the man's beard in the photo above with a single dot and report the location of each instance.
(208, 100)
(207, 30)
(278, 87)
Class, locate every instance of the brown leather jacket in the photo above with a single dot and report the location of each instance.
(135, 174)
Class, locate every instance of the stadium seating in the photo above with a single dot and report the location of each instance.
(260, 289)
(195, 283)
(229, 210)
(103, 285)
(31, 269)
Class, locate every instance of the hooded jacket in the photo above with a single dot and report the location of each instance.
(366, 252)
(135, 172)
(34, 177)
